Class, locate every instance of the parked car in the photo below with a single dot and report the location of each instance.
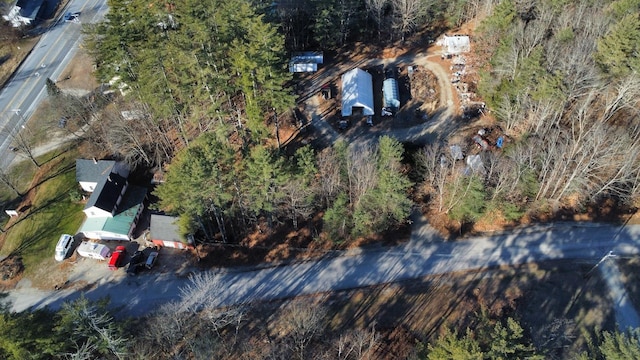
(72, 17)
(116, 257)
(151, 259)
(135, 263)
(63, 246)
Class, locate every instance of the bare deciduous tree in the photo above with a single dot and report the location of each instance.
(358, 344)
(302, 322)
(362, 172)
(409, 15)
(330, 182)
(376, 10)
(297, 199)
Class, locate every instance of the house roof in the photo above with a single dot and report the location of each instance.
(93, 171)
(121, 222)
(106, 193)
(457, 44)
(165, 228)
(29, 8)
(307, 57)
(357, 91)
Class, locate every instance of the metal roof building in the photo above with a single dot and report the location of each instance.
(357, 92)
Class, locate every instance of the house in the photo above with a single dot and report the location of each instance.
(120, 224)
(106, 197)
(23, 12)
(357, 92)
(164, 232)
(305, 61)
(90, 172)
(456, 44)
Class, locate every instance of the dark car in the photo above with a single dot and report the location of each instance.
(135, 263)
(72, 17)
(151, 259)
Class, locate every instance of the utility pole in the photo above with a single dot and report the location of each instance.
(604, 258)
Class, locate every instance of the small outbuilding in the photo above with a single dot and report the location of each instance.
(307, 61)
(164, 232)
(390, 94)
(357, 92)
(456, 44)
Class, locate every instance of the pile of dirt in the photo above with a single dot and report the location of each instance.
(424, 87)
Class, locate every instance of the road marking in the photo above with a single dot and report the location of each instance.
(20, 91)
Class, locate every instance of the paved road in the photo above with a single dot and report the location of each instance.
(626, 314)
(425, 254)
(48, 59)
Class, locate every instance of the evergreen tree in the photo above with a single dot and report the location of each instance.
(199, 183)
(619, 51)
(52, 88)
(264, 176)
(619, 345)
(451, 346)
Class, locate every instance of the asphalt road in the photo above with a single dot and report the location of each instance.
(48, 59)
(425, 254)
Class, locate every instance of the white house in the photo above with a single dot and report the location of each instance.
(106, 197)
(90, 172)
(121, 224)
(357, 92)
(23, 12)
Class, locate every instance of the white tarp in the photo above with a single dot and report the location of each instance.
(456, 44)
(357, 91)
(390, 94)
(475, 164)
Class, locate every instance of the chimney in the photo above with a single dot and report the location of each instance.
(95, 161)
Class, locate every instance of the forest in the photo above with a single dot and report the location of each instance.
(300, 329)
(560, 77)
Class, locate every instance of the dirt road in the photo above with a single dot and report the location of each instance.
(439, 126)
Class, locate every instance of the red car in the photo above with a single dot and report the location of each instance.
(116, 257)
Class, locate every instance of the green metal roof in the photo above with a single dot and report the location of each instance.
(124, 218)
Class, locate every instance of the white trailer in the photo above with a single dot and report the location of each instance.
(94, 250)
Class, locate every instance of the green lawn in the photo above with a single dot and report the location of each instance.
(20, 175)
(52, 213)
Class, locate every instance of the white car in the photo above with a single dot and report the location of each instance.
(64, 245)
